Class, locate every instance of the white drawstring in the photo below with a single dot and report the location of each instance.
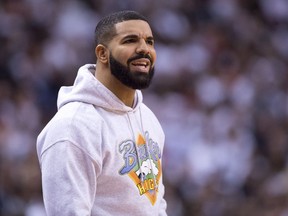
(148, 150)
(136, 148)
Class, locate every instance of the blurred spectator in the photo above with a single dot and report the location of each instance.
(220, 92)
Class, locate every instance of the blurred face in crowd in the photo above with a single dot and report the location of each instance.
(132, 54)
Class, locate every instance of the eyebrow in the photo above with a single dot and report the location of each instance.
(133, 36)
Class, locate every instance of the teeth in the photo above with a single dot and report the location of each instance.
(141, 64)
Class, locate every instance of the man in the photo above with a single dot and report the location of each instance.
(101, 153)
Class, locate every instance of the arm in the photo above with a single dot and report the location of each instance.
(163, 203)
(68, 180)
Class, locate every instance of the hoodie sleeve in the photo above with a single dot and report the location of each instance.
(68, 179)
(163, 207)
(163, 203)
(70, 162)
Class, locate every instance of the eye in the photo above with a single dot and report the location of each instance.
(131, 40)
(150, 42)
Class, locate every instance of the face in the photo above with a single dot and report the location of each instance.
(132, 54)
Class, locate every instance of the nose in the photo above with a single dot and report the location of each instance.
(143, 47)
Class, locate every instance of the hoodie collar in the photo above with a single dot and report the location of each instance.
(88, 89)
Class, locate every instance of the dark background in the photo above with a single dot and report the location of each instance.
(220, 92)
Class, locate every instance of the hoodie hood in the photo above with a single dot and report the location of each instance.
(88, 89)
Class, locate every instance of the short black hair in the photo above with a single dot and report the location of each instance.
(105, 29)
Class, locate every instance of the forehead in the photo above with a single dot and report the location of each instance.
(134, 27)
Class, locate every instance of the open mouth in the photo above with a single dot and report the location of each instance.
(141, 64)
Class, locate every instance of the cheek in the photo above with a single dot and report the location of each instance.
(119, 57)
(122, 57)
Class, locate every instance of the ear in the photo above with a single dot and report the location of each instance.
(101, 53)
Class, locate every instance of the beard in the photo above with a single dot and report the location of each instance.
(135, 79)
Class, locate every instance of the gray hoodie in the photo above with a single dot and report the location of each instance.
(100, 157)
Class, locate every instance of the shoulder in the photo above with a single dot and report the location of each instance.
(76, 117)
(148, 113)
(145, 109)
(76, 123)
(151, 121)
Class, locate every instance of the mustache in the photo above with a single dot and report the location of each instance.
(139, 56)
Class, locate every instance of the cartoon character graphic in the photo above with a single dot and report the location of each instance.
(147, 167)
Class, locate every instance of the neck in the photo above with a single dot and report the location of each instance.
(127, 98)
(124, 93)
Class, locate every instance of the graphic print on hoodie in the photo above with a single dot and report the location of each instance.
(142, 164)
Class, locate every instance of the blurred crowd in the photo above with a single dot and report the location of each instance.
(220, 92)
